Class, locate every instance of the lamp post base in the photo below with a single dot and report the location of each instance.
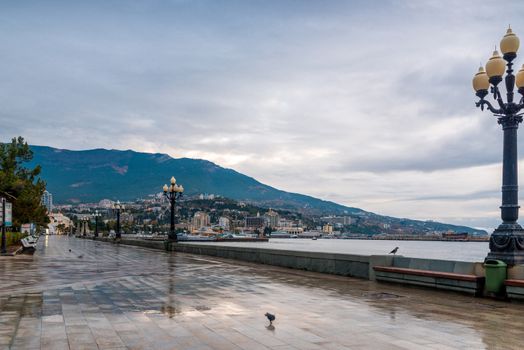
(507, 244)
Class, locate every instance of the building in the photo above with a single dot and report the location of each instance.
(293, 230)
(223, 222)
(272, 218)
(333, 220)
(286, 223)
(47, 200)
(59, 223)
(106, 203)
(255, 221)
(126, 218)
(200, 219)
(206, 196)
(328, 228)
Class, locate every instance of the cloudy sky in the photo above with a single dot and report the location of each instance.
(366, 103)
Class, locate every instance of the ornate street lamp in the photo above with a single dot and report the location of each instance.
(172, 193)
(85, 226)
(507, 241)
(118, 207)
(96, 215)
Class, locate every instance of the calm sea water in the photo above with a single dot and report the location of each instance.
(461, 251)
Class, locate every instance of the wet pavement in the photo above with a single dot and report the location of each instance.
(105, 296)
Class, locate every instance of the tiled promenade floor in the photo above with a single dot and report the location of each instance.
(122, 297)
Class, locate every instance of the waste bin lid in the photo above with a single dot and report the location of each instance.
(493, 262)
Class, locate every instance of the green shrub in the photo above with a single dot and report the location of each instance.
(14, 237)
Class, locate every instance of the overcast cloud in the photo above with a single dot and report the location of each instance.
(366, 103)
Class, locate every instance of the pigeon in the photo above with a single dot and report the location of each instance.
(80, 256)
(69, 250)
(394, 251)
(270, 317)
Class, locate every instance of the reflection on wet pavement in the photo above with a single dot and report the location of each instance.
(106, 296)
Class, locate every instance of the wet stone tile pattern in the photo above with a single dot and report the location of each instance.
(81, 294)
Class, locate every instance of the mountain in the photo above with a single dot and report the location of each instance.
(91, 175)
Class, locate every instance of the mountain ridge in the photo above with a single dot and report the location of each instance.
(75, 176)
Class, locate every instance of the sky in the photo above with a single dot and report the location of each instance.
(365, 103)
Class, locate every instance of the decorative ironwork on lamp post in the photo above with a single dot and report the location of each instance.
(118, 207)
(172, 193)
(96, 215)
(507, 241)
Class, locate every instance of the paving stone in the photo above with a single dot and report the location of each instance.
(123, 297)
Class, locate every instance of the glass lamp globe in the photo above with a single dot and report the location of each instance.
(495, 66)
(519, 78)
(480, 80)
(510, 43)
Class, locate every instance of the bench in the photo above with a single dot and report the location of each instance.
(28, 246)
(459, 282)
(31, 239)
(515, 289)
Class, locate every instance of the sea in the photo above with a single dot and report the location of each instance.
(459, 251)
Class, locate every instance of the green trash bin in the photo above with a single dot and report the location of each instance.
(496, 274)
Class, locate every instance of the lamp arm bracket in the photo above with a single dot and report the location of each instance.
(492, 109)
(497, 96)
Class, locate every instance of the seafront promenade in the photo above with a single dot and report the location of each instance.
(108, 296)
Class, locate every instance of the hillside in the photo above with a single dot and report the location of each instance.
(92, 175)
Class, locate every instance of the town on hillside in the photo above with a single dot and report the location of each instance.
(212, 217)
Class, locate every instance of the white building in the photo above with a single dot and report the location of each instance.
(272, 218)
(57, 219)
(47, 200)
(206, 196)
(223, 222)
(200, 219)
(106, 203)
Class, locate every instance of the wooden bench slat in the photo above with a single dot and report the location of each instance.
(428, 273)
(514, 283)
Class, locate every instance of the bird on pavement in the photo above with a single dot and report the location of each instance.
(69, 250)
(394, 251)
(80, 256)
(270, 317)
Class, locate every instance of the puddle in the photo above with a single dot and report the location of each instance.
(381, 296)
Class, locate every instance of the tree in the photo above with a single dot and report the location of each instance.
(60, 229)
(21, 185)
(268, 230)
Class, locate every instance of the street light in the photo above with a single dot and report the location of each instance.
(118, 207)
(85, 226)
(507, 241)
(96, 215)
(172, 193)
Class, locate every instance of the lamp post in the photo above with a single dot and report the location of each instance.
(85, 226)
(3, 244)
(118, 207)
(172, 193)
(507, 241)
(96, 216)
